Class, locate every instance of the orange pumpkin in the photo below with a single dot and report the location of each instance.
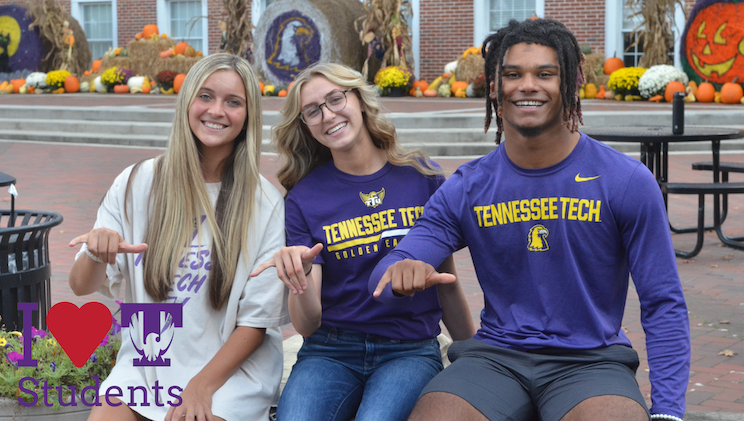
(458, 85)
(671, 88)
(282, 93)
(261, 85)
(731, 92)
(181, 47)
(166, 53)
(72, 84)
(612, 64)
(17, 83)
(96, 66)
(150, 30)
(430, 93)
(145, 88)
(290, 85)
(706, 92)
(178, 81)
(713, 40)
(121, 89)
(601, 93)
(422, 85)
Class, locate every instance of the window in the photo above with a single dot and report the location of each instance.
(98, 19)
(186, 22)
(502, 11)
(631, 55)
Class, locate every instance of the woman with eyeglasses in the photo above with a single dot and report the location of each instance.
(352, 194)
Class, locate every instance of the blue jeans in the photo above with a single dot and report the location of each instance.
(340, 374)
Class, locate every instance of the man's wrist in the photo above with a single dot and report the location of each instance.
(664, 417)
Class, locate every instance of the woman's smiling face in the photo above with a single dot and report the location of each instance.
(219, 111)
(339, 131)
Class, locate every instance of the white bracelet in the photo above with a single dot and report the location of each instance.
(92, 256)
(665, 417)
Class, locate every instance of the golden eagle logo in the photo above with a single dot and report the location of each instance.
(538, 238)
(372, 199)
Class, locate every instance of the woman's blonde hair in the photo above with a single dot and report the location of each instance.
(302, 153)
(179, 193)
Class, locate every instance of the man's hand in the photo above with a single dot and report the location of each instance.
(408, 276)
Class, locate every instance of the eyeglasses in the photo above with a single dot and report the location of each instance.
(335, 102)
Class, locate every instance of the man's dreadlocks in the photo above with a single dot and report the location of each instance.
(547, 32)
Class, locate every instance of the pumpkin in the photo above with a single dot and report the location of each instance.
(181, 47)
(72, 84)
(163, 36)
(671, 88)
(601, 93)
(190, 51)
(706, 92)
(145, 88)
(166, 53)
(261, 86)
(150, 30)
(457, 86)
(282, 93)
(590, 91)
(731, 92)
(692, 88)
(611, 64)
(178, 82)
(17, 83)
(430, 93)
(117, 51)
(712, 41)
(121, 89)
(422, 85)
(96, 66)
(4, 85)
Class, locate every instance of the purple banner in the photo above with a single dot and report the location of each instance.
(292, 44)
(20, 48)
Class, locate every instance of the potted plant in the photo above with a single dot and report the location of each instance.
(47, 389)
(394, 80)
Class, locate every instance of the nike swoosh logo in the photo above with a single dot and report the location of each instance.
(579, 179)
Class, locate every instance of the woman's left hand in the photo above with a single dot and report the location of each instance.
(195, 404)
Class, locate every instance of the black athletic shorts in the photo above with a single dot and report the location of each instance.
(505, 384)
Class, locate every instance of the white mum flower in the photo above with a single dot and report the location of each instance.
(656, 78)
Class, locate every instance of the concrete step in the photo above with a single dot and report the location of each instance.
(86, 126)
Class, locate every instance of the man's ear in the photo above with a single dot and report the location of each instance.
(493, 93)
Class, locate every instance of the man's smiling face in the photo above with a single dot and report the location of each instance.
(531, 85)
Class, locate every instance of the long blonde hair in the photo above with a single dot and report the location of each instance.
(179, 193)
(302, 153)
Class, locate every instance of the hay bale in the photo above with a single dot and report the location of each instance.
(148, 49)
(293, 34)
(179, 64)
(107, 62)
(470, 67)
(594, 69)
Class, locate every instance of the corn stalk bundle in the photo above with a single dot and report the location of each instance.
(655, 29)
(50, 17)
(238, 28)
(386, 23)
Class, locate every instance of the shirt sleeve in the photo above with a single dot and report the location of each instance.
(263, 302)
(645, 230)
(298, 231)
(435, 236)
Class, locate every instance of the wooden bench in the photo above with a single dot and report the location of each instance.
(701, 189)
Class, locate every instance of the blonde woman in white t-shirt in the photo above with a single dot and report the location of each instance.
(188, 227)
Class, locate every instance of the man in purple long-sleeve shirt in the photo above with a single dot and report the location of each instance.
(555, 223)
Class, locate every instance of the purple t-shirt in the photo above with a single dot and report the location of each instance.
(359, 219)
(553, 249)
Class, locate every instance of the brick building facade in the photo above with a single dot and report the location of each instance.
(442, 29)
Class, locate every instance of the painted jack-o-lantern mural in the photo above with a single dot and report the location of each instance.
(713, 41)
(20, 47)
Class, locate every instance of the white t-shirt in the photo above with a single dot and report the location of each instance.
(259, 302)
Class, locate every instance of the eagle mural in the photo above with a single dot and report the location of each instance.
(292, 44)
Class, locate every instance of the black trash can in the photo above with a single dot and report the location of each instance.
(25, 272)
